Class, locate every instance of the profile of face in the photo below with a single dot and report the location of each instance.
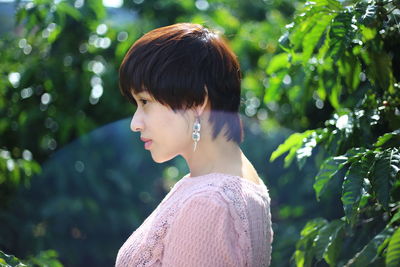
(169, 131)
(165, 63)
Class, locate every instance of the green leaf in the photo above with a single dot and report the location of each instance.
(395, 217)
(292, 144)
(353, 185)
(284, 42)
(292, 140)
(66, 8)
(327, 170)
(331, 256)
(384, 244)
(332, 145)
(393, 252)
(10, 260)
(326, 239)
(273, 92)
(312, 226)
(305, 151)
(380, 69)
(369, 252)
(350, 69)
(46, 258)
(368, 15)
(312, 38)
(334, 93)
(355, 154)
(368, 33)
(333, 5)
(304, 25)
(304, 247)
(386, 137)
(278, 62)
(352, 188)
(300, 258)
(98, 8)
(387, 165)
(309, 17)
(340, 35)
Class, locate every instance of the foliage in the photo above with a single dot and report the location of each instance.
(45, 258)
(52, 76)
(14, 172)
(9, 260)
(343, 58)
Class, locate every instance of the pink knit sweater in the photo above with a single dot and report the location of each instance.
(210, 220)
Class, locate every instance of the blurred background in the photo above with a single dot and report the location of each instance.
(75, 182)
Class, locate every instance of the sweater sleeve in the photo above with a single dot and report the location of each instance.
(203, 234)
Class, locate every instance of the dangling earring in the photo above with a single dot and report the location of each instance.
(196, 132)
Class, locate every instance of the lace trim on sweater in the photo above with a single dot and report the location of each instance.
(232, 194)
(154, 247)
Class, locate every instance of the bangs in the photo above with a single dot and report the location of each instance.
(168, 72)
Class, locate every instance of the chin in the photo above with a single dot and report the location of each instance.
(161, 159)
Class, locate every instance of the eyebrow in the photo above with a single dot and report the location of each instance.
(142, 94)
(137, 95)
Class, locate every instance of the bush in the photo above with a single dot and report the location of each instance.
(345, 58)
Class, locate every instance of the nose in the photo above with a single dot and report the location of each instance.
(137, 122)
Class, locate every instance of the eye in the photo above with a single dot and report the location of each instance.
(143, 101)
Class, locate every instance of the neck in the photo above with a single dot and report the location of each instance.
(216, 155)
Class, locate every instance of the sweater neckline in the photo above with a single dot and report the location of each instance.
(235, 177)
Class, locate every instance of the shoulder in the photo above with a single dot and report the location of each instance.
(217, 191)
(207, 198)
(228, 187)
(212, 188)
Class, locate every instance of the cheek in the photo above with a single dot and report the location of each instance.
(177, 128)
(173, 138)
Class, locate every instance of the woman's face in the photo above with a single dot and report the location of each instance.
(169, 132)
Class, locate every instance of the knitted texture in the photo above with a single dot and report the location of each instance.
(210, 220)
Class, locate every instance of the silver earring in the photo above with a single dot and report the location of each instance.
(196, 132)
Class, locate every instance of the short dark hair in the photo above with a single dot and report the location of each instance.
(179, 65)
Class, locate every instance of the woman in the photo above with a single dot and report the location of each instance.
(185, 82)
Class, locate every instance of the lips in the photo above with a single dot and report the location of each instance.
(147, 142)
(145, 139)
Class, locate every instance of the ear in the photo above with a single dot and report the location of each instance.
(200, 109)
